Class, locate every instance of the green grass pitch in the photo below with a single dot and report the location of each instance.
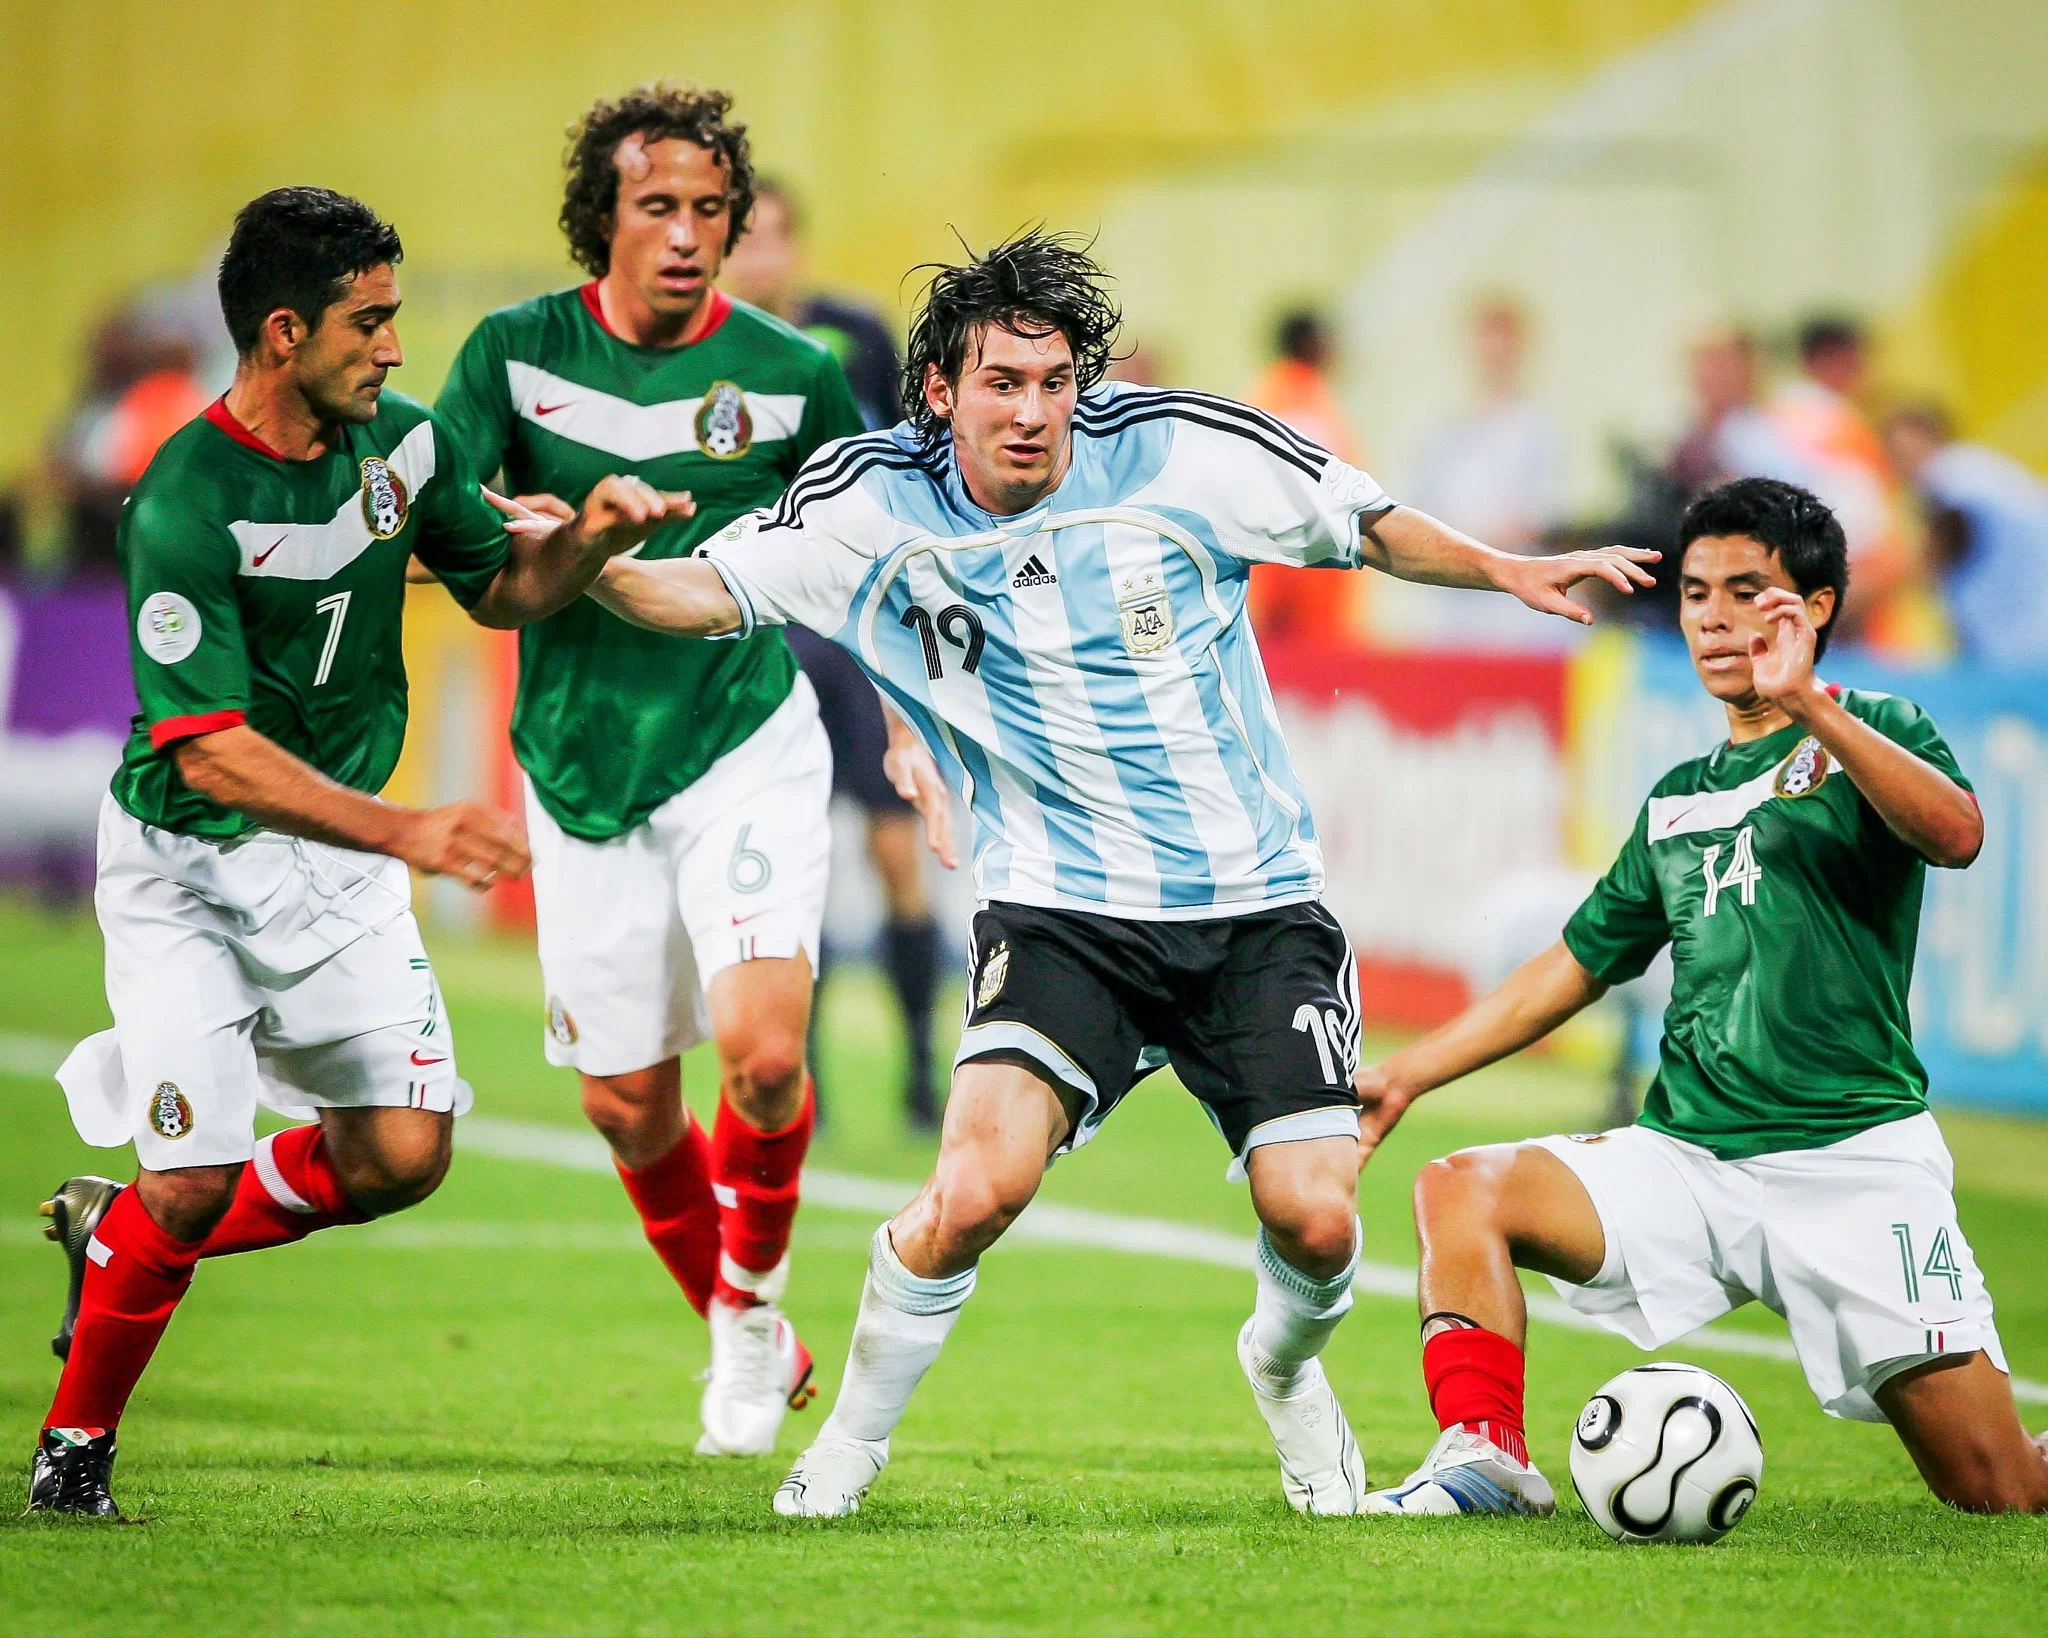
(478, 1418)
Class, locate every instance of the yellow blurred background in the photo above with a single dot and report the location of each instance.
(1630, 169)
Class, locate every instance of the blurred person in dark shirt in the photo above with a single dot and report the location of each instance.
(767, 269)
(1987, 521)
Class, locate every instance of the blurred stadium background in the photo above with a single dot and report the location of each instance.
(1544, 266)
(1557, 256)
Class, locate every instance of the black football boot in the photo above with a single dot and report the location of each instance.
(72, 1469)
(74, 1212)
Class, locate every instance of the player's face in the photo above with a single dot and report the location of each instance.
(1718, 585)
(341, 363)
(669, 227)
(1009, 412)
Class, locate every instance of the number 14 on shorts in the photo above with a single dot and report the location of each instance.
(1940, 1263)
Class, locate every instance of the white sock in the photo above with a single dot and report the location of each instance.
(903, 1322)
(1294, 1314)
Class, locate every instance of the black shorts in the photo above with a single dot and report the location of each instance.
(1258, 1013)
(851, 711)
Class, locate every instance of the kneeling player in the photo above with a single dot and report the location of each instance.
(1785, 1153)
(261, 946)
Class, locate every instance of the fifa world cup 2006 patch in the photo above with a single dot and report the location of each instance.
(561, 1022)
(1145, 613)
(384, 498)
(725, 431)
(170, 1112)
(1804, 771)
(994, 970)
(167, 626)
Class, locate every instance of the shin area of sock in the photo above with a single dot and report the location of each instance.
(137, 1275)
(679, 1214)
(1475, 1380)
(289, 1189)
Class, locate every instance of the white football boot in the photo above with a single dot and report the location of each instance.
(760, 1370)
(831, 1477)
(1322, 1470)
(1465, 1472)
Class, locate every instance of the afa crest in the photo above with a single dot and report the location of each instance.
(384, 498)
(725, 431)
(994, 970)
(1145, 613)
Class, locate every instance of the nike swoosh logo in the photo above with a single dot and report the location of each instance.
(549, 409)
(740, 920)
(263, 556)
(424, 1063)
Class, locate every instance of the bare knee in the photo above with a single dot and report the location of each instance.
(1316, 1231)
(764, 1076)
(1463, 1190)
(397, 1165)
(971, 1207)
(186, 1203)
(639, 1113)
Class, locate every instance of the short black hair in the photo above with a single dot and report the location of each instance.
(1793, 524)
(655, 113)
(1032, 284)
(1828, 333)
(1302, 335)
(297, 248)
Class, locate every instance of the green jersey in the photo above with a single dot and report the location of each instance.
(1791, 909)
(610, 721)
(270, 591)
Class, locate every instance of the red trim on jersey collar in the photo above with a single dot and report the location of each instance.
(721, 310)
(176, 728)
(221, 416)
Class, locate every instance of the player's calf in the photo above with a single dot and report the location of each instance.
(1956, 1417)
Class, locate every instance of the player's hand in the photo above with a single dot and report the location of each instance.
(910, 768)
(622, 511)
(547, 506)
(1781, 655)
(1542, 582)
(1382, 1104)
(471, 843)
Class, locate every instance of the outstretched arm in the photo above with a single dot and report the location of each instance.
(1533, 1000)
(553, 563)
(1412, 545)
(242, 769)
(685, 596)
(1925, 809)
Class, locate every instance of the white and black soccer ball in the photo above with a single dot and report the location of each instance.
(1667, 1453)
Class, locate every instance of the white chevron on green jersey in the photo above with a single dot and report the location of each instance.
(1085, 672)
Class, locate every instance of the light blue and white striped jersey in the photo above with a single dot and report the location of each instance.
(1085, 672)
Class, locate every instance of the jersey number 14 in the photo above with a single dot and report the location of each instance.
(1742, 874)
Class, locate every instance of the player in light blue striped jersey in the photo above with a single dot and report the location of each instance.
(1046, 577)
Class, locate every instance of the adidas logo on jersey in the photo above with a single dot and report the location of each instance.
(1033, 573)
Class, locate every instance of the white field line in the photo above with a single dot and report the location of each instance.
(1043, 1222)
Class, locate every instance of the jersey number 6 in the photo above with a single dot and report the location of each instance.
(959, 625)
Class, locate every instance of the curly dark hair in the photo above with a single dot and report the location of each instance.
(297, 248)
(1032, 284)
(655, 112)
(1793, 524)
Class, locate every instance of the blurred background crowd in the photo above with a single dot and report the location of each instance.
(1547, 268)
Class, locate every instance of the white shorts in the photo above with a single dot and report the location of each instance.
(633, 929)
(270, 970)
(1856, 1245)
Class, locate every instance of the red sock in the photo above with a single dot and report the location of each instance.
(1475, 1381)
(136, 1275)
(678, 1213)
(287, 1191)
(755, 1179)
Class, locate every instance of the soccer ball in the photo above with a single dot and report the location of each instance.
(1667, 1453)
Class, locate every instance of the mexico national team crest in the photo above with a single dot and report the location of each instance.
(384, 499)
(1804, 771)
(1145, 613)
(725, 431)
(170, 1112)
(994, 970)
(561, 1022)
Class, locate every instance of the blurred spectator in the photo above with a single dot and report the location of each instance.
(767, 269)
(1988, 530)
(1730, 435)
(1142, 366)
(1497, 471)
(1818, 416)
(1306, 605)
